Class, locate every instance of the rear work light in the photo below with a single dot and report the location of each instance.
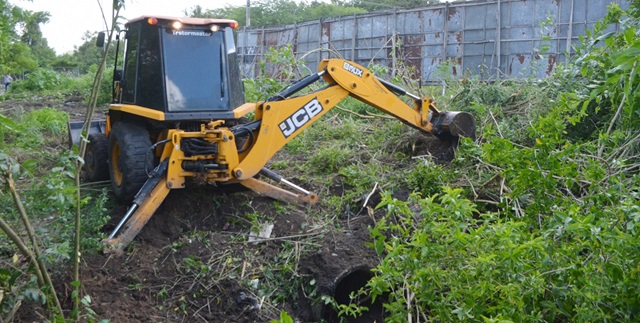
(176, 25)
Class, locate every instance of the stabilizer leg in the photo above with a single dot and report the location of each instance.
(141, 215)
(145, 204)
(277, 193)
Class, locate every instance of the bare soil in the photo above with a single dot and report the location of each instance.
(192, 262)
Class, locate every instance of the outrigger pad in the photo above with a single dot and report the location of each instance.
(75, 130)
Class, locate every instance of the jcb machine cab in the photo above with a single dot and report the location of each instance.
(177, 104)
(176, 73)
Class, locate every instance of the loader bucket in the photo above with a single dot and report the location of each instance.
(454, 124)
(75, 130)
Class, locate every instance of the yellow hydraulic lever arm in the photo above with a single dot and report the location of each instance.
(382, 95)
(366, 87)
(283, 117)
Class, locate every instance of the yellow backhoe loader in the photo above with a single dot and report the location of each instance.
(178, 102)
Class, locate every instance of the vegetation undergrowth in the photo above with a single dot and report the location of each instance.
(545, 227)
(56, 85)
(42, 174)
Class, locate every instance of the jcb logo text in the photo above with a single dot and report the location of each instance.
(300, 118)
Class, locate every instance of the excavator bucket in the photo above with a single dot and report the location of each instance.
(454, 124)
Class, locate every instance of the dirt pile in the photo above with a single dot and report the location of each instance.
(188, 263)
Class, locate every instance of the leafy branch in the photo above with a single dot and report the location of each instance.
(33, 253)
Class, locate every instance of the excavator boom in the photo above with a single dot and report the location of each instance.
(237, 154)
(283, 117)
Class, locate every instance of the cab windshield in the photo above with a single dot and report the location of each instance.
(194, 70)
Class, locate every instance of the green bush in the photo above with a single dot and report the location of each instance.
(329, 159)
(443, 259)
(47, 191)
(543, 224)
(428, 178)
(279, 68)
(105, 95)
(38, 81)
(30, 130)
(61, 85)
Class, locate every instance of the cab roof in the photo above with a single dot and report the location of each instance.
(186, 20)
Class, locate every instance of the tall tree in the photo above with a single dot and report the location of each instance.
(20, 38)
(278, 12)
(32, 36)
(85, 55)
(7, 35)
(377, 5)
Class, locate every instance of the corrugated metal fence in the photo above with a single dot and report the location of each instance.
(532, 36)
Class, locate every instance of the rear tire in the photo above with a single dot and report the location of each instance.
(130, 159)
(96, 167)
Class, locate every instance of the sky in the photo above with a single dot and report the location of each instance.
(70, 19)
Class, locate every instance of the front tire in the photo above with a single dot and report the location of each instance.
(96, 167)
(130, 159)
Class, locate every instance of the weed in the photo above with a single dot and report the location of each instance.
(191, 265)
(256, 220)
(38, 81)
(163, 294)
(31, 130)
(279, 67)
(330, 159)
(136, 287)
(284, 318)
(281, 164)
(428, 178)
(280, 208)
